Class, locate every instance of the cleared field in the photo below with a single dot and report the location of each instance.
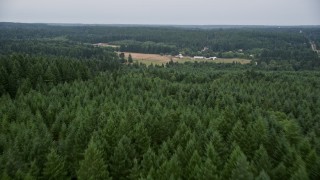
(149, 58)
(158, 59)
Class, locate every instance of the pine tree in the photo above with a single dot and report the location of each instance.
(135, 172)
(3, 80)
(257, 133)
(262, 176)
(93, 165)
(261, 161)
(13, 81)
(300, 174)
(54, 168)
(151, 174)
(130, 60)
(280, 172)
(313, 165)
(237, 135)
(194, 165)
(213, 156)
(49, 77)
(141, 140)
(209, 170)
(237, 166)
(241, 171)
(299, 171)
(170, 169)
(219, 146)
(148, 161)
(292, 131)
(121, 160)
(188, 152)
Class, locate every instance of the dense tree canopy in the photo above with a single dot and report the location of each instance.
(65, 114)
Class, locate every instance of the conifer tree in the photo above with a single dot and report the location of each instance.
(313, 165)
(170, 169)
(213, 156)
(54, 168)
(141, 140)
(208, 170)
(3, 80)
(241, 170)
(93, 165)
(148, 161)
(193, 168)
(121, 160)
(300, 174)
(219, 145)
(261, 161)
(262, 176)
(238, 135)
(237, 166)
(299, 171)
(130, 60)
(188, 152)
(280, 172)
(135, 172)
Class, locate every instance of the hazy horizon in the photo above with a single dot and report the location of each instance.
(163, 12)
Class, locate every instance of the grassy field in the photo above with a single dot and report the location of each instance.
(158, 59)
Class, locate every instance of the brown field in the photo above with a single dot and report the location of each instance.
(158, 59)
(149, 58)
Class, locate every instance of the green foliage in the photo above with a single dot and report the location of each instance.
(130, 60)
(122, 158)
(237, 166)
(299, 170)
(262, 176)
(54, 168)
(170, 169)
(261, 161)
(69, 110)
(241, 169)
(194, 166)
(93, 166)
(280, 172)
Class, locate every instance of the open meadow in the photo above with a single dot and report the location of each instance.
(163, 59)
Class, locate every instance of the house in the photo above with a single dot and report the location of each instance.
(204, 49)
(212, 58)
(198, 57)
(179, 56)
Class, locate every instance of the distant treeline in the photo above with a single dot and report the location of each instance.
(286, 45)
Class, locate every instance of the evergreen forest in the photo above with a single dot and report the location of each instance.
(71, 110)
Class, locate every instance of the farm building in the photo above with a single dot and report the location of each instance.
(198, 57)
(212, 58)
(179, 56)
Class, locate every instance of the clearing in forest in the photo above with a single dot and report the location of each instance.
(162, 59)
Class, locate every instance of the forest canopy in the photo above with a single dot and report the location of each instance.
(70, 110)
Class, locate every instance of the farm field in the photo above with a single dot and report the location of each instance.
(158, 59)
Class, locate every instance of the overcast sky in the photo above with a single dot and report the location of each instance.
(187, 12)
